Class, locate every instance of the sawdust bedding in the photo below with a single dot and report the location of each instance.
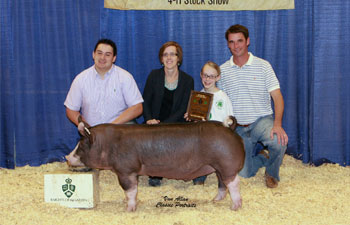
(305, 195)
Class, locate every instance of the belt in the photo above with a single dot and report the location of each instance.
(245, 125)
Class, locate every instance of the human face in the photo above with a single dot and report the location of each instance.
(238, 45)
(170, 58)
(103, 57)
(209, 77)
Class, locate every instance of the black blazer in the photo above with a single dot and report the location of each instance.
(153, 96)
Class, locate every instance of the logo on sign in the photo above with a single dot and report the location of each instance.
(68, 188)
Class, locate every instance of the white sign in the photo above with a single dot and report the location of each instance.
(226, 5)
(70, 189)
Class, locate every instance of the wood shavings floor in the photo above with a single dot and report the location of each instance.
(305, 195)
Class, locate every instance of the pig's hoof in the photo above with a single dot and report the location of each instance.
(131, 208)
(221, 195)
(218, 198)
(237, 205)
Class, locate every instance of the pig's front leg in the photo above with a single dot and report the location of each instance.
(129, 185)
(233, 188)
(222, 191)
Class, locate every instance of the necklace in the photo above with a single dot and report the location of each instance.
(171, 86)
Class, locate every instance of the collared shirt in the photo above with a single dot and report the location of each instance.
(249, 87)
(102, 100)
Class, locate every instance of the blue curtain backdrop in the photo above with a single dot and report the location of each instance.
(7, 159)
(45, 44)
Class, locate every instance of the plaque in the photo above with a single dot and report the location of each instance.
(199, 105)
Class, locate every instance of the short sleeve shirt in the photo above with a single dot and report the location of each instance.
(102, 100)
(249, 87)
(221, 107)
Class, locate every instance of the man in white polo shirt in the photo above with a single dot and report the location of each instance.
(250, 82)
(104, 92)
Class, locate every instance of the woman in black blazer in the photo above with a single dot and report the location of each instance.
(167, 91)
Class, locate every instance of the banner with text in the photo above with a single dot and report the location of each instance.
(226, 5)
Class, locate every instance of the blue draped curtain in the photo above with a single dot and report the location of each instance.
(7, 155)
(44, 44)
(330, 78)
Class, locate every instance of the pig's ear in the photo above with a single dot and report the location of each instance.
(83, 130)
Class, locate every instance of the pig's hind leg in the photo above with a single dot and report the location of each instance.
(129, 185)
(233, 188)
(222, 190)
(131, 199)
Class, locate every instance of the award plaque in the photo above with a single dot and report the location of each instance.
(199, 105)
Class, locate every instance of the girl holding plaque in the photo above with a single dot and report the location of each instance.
(221, 107)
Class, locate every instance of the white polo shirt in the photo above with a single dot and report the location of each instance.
(249, 87)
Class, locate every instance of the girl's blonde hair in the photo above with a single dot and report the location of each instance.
(212, 65)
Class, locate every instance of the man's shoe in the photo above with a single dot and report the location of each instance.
(270, 181)
(198, 182)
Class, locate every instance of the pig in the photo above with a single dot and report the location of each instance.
(180, 151)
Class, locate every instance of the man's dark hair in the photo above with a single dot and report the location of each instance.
(237, 29)
(107, 42)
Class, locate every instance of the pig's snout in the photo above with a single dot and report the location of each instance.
(73, 160)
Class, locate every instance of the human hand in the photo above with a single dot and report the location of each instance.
(186, 117)
(152, 121)
(282, 137)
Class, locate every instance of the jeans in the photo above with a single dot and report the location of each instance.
(259, 131)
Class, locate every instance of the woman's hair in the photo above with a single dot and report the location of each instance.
(168, 44)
